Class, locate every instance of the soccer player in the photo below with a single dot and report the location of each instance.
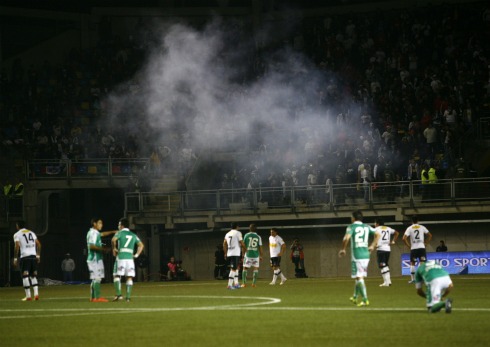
(95, 261)
(277, 247)
(438, 285)
(358, 234)
(123, 244)
(232, 246)
(415, 239)
(383, 249)
(29, 247)
(253, 255)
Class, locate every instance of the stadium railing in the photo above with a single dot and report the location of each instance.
(289, 199)
(84, 168)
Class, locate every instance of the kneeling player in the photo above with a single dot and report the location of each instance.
(438, 285)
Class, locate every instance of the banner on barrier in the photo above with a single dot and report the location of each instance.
(455, 262)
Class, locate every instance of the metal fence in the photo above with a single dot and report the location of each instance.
(281, 199)
(84, 168)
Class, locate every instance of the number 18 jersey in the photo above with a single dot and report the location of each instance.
(359, 242)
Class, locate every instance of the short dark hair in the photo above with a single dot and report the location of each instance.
(274, 229)
(415, 219)
(357, 215)
(124, 222)
(253, 227)
(21, 224)
(234, 225)
(379, 221)
(94, 220)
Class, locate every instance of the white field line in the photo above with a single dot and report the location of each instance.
(70, 312)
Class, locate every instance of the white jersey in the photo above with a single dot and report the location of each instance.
(385, 237)
(27, 240)
(233, 238)
(275, 243)
(416, 233)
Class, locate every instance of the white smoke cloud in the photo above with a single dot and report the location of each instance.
(194, 84)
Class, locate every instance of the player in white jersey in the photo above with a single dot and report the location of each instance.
(277, 247)
(383, 249)
(233, 246)
(416, 237)
(29, 247)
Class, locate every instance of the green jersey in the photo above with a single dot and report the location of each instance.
(252, 243)
(359, 242)
(93, 238)
(428, 271)
(126, 240)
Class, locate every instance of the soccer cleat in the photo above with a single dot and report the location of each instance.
(384, 285)
(353, 300)
(100, 300)
(118, 298)
(128, 300)
(363, 303)
(449, 305)
(231, 288)
(253, 286)
(411, 281)
(283, 281)
(27, 299)
(272, 283)
(243, 285)
(237, 286)
(36, 297)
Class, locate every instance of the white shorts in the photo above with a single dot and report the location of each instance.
(359, 268)
(96, 269)
(249, 262)
(436, 288)
(125, 267)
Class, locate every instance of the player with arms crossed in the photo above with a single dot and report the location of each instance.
(95, 260)
(29, 247)
(358, 234)
(253, 255)
(383, 249)
(415, 239)
(232, 246)
(438, 285)
(123, 244)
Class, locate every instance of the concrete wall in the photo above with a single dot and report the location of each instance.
(321, 247)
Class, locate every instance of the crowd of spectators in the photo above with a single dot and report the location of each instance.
(420, 78)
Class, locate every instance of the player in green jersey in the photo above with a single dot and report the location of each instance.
(438, 285)
(95, 261)
(253, 255)
(123, 244)
(358, 234)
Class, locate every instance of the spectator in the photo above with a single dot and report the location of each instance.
(172, 269)
(298, 258)
(67, 267)
(442, 247)
(219, 263)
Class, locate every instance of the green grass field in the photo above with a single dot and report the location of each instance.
(304, 312)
